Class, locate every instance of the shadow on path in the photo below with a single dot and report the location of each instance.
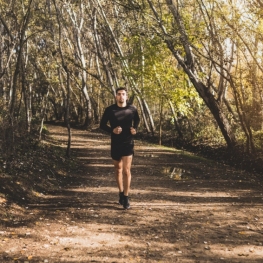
(184, 209)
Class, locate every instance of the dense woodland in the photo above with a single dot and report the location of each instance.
(193, 68)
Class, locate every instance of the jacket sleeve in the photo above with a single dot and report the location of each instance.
(104, 122)
(136, 119)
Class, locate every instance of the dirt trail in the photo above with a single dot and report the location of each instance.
(184, 209)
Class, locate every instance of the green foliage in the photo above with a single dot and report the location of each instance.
(208, 133)
(225, 43)
(152, 64)
(258, 139)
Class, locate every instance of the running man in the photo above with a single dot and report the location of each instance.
(123, 121)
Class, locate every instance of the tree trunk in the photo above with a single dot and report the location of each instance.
(99, 49)
(68, 114)
(176, 124)
(160, 121)
(65, 67)
(188, 66)
(43, 109)
(143, 115)
(77, 25)
(149, 116)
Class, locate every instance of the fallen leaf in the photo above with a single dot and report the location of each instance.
(243, 255)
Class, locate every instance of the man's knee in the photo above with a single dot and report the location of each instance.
(126, 171)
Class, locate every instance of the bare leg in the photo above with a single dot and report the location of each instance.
(127, 161)
(123, 173)
(118, 174)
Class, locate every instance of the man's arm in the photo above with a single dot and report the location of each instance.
(136, 119)
(104, 122)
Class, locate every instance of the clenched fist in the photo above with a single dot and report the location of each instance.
(117, 130)
(133, 131)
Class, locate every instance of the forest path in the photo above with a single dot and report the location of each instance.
(183, 209)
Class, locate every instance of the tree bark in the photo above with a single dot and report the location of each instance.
(65, 67)
(77, 26)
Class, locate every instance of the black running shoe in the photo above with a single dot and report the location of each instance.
(121, 200)
(126, 203)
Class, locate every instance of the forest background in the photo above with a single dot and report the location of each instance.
(193, 69)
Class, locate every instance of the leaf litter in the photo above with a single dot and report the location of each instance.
(67, 211)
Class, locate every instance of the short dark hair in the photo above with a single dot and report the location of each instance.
(121, 88)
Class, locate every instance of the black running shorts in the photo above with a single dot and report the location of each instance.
(122, 149)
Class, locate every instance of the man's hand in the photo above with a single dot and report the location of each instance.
(117, 130)
(133, 131)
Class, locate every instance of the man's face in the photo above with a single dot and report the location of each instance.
(121, 96)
